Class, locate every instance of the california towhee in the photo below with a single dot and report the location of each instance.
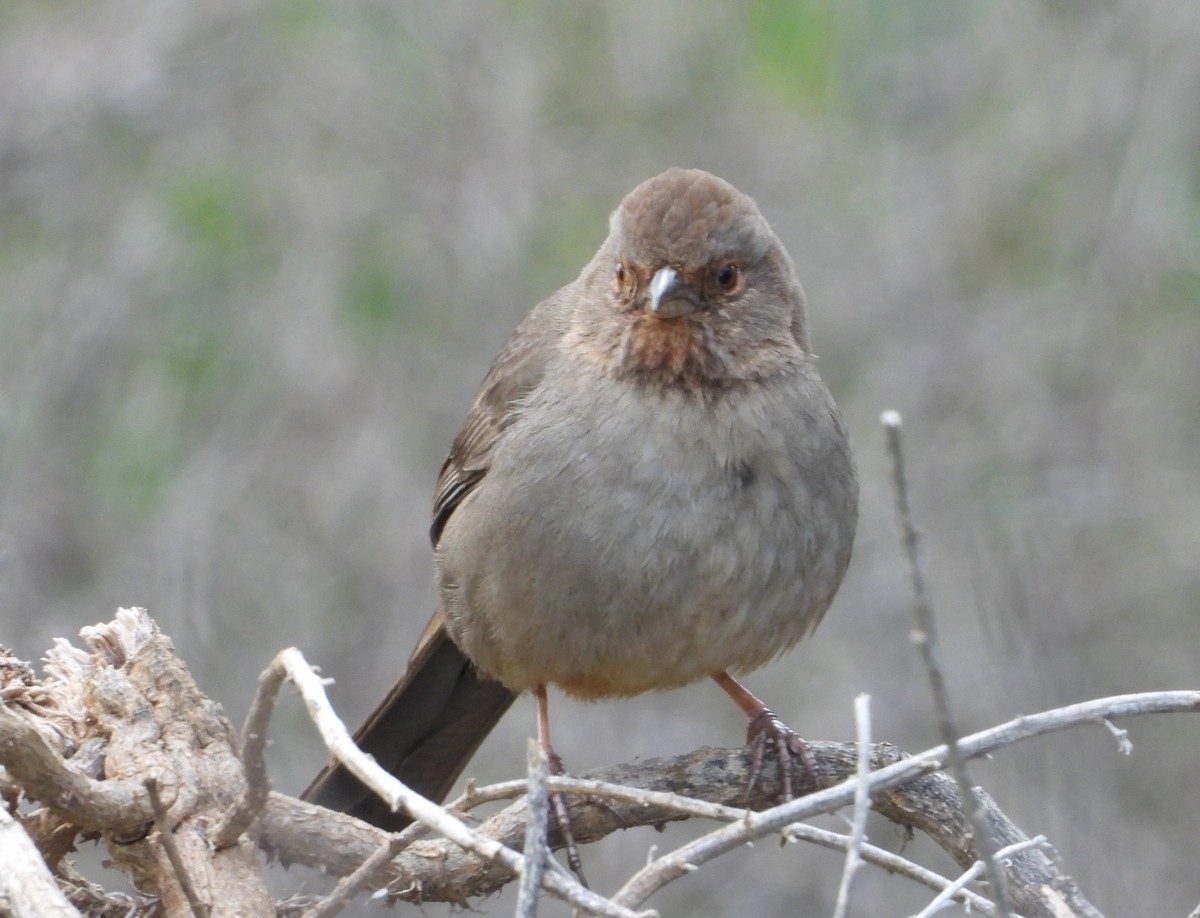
(653, 486)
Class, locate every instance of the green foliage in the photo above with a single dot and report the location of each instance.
(212, 210)
(299, 18)
(373, 299)
(1180, 293)
(798, 48)
(178, 367)
(562, 241)
(128, 470)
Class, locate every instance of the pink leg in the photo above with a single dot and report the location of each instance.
(561, 814)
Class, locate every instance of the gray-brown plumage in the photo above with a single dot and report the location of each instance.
(652, 487)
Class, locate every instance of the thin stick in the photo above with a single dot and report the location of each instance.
(756, 825)
(167, 839)
(27, 887)
(397, 795)
(254, 762)
(537, 808)
(925, 637)
(862, 804)
(1124, 744)
(703, 809)
(942, 899)
(350, 886)
(892, 863)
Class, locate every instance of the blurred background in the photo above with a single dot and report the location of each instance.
(256, 257)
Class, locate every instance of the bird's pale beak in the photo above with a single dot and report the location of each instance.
(670, 297)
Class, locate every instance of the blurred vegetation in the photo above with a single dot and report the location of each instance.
(254, 259)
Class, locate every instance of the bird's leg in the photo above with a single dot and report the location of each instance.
(767, 732)
(561, 813)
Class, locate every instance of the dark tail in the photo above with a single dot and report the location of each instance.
(424, 732)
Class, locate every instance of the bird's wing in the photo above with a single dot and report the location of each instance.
(432, 721)
(516, 372)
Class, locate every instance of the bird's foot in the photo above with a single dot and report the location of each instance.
(768, 734)
(562, 815)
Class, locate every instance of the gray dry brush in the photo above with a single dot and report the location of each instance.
(117, 744)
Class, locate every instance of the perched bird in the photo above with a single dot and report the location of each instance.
(652, 487)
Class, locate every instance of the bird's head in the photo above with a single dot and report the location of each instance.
(692, 288)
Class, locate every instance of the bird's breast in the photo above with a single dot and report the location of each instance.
(624, 541)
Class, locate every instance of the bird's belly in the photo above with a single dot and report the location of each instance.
(689, 549)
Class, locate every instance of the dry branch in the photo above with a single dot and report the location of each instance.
(133, 695)
(84, 740)
(439, 871)
(925, 636)
(27, 887)
(903, 789)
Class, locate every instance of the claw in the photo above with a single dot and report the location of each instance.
(767, 732)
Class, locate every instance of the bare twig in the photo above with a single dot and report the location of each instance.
(862, 804)
(341, 745)
(929, 804)
(892, 863)
(1123, 742)
(756, 825)
(166, 838)
(94, 901)
(853, 844)
(26, 884)
(443, 871)
(352, 885)
(536, 826)
(925, 637)
(339, 742)
(254, 762)
(946, 896)
(474, 796)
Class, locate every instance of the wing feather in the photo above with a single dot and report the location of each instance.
(517, 370)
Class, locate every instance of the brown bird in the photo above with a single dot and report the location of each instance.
(652, 487)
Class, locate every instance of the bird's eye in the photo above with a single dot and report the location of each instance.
(728, 276)
(619, 273)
